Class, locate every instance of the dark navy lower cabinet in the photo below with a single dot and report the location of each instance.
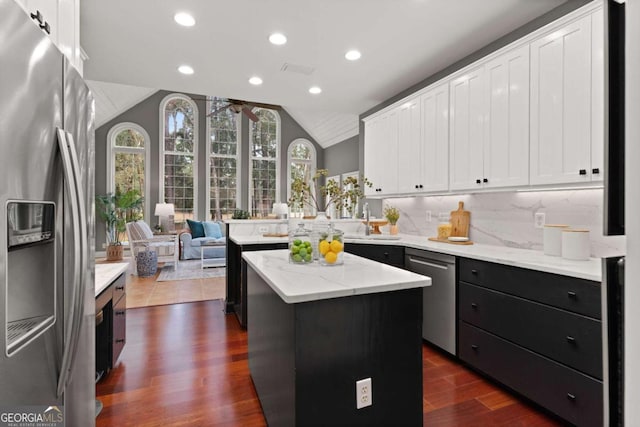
(531, 340)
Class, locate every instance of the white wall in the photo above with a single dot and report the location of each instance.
(507, 218)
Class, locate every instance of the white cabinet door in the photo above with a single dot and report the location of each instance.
(597, 96)
(409, 147)
(68, 29)
(506, 142)
(372, 136)
(561, 105)
(381, 154)
(434, 106)
(468, 106)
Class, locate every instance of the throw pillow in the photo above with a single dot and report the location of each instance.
(197, 230)
(212, 229)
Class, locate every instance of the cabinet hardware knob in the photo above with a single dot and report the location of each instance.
(595, 170)
(37, 16)
(420, 185)
(485, 180)
(583, 171)
(474, 305)
(475, 272)
(572, 295)
(119, 341)
(46, 27)
(478, 181)
(119, 313)
(386, 254)
(571, 339)
(119, 288)
(416, 185)
(571, 396)
(474, 347)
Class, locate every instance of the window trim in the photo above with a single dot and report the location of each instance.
(238, 158)
(111, 152)
(277, 158)
(163, 105)
(313, 162)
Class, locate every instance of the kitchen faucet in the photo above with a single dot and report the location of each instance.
(366, 212)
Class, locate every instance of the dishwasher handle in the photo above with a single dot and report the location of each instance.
(429, 263)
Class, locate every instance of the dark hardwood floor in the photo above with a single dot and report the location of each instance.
(186, 365)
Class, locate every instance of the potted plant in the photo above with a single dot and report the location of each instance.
(116, 209)
(320, 197)
(392, 214)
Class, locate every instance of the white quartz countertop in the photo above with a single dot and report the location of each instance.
(107, 273)
(524, 258)
(297, 283)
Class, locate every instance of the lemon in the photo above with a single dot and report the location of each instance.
(336, 246)
(324, 247)
(331, 257)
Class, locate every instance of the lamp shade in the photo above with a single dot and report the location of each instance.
(165, 209)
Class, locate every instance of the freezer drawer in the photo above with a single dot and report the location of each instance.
(439, 299)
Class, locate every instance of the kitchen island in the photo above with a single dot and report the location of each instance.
(314, 331)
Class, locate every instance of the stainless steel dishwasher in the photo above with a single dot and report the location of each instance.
(439, 299)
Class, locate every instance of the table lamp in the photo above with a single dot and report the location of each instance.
(165, 213)
(280, 210)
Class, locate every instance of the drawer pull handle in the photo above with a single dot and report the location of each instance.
(119, 288)
(474, 347)
(474, 272)
(571, 396)
(572, 295)
(119, 313)
(118, 341)
(474, 305)
(571, 339)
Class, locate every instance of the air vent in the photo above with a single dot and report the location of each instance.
(299, 69)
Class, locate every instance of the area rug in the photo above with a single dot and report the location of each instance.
(188, 270)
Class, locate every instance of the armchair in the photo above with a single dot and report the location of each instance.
(141, 237)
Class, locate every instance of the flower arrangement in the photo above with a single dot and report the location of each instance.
(392, 214)
(321, 197)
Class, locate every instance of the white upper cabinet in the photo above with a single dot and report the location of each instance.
(409, 147)
(381, 154)
(597, 96)
(506, 138)
(561, 108)
(63, 17)
(434, 153)
(468, 110)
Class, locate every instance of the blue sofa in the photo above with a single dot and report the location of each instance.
(190, 247)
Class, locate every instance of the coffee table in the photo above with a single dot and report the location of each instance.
(213, 262)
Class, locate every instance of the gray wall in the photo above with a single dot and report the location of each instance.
(529, 27)
(147, 115)
(342, 157)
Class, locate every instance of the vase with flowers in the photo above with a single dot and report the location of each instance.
(392, 214)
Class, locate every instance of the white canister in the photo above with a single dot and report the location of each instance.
(575, 244)
(552, 239)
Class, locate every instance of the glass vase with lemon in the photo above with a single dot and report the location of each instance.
(331, 246)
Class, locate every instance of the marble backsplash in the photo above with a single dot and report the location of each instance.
(507, 218)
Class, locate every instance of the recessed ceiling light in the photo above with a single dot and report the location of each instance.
(255, 80)
(185, 69)
(353, 55)
(277, 38)
(184, 19)
(315, 90)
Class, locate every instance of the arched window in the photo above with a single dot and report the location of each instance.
(223, 129)
(128, 161)
(178, 155)
(264, 170)
(301, 163)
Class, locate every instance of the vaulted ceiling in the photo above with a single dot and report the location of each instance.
(138, 44)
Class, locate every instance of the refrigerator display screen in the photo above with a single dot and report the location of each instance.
(29, 223)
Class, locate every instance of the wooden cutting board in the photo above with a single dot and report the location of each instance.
(460, 221)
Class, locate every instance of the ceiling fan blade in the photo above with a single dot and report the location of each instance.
(213, 113)
(247, 112)
(255, 104)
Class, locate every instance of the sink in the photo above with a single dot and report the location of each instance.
(371, 237)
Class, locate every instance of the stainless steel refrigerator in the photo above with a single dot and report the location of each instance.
(47, 301)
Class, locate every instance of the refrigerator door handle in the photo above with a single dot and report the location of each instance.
(71, 170)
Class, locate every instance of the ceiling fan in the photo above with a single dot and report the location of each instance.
(245, 107)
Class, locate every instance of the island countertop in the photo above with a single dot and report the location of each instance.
(296, 283)
(107, 273)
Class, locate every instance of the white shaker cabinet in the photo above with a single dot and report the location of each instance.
(409, 147)
(597, 96)
(381, 154)
(468, 106)
(434, 106)
(506, 138)
(561, 103)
